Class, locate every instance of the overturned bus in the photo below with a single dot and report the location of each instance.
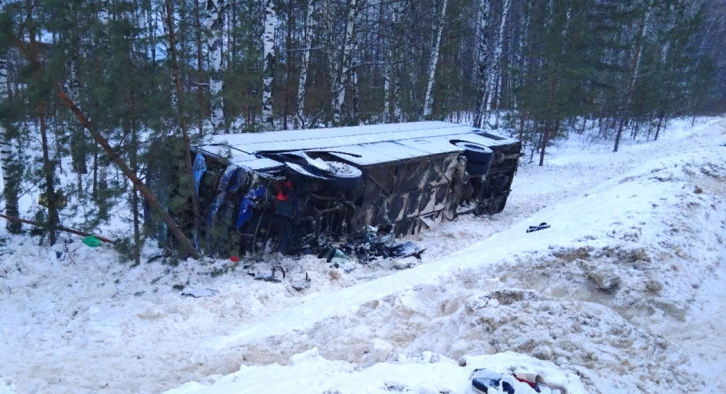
(285, 191)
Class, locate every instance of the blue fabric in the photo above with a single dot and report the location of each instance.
(199, 168)
(245, 208)
(222, 188)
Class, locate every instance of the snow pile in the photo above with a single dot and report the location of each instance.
(308, 372)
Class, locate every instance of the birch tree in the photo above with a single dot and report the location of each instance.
(394, 68)
(387, 77)
(482, 63)
(268, 40)
(307, 42)
(633, 75)
(494, 76)
(342, 72)
(215, 25)
(355, 111)
(428, 99)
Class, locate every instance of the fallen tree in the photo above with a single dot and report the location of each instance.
(148, 195)
(59, 228)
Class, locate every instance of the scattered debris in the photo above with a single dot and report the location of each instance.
(482, 380)
(406, 249)
(303, 284)
(402, 264)
(346, 267)
(486, 381)
(92, 241)
(200, 292)
(370, 246)
(334, 255)
(698, 190)
(272, 277)
(538, 383)
(542, 226)
(165, 253)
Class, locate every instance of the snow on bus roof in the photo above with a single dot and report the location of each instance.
(312, 139)
(362, 145)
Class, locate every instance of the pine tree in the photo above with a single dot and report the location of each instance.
(11, 169)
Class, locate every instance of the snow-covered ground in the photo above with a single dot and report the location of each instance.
(623, 294)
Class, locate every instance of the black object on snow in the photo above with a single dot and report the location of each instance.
(272, 277)
(541, 226)
(406, 249)
(370, 246)
(507, 388)
(483, 379)
(200, 292)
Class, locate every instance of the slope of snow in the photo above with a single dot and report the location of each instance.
(619, 296)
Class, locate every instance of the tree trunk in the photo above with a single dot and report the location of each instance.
(135, 194)
(289, 65)
(60, 228)
(148, 195)
(482, 64)
(49, 173)
(48, 166)
(550, 129)
(545, 140)
(355, 111)
(200, 67)
(307, 42)
(387, 96)
(268, 40)
(8, 160)
(78, 145)
(521, 128)
(428, 99)
(94, 189)
(633, 80)
(215, 22)
(660, 122)
(494, 72)
(182, 119)
(341, 79)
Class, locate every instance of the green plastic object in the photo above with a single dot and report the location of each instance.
(92, 241)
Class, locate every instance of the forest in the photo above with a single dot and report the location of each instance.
(96, 97)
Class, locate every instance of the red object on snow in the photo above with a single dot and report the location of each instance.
(531, 384)
(234, 259)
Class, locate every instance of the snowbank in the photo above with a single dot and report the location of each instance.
(310, 373)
